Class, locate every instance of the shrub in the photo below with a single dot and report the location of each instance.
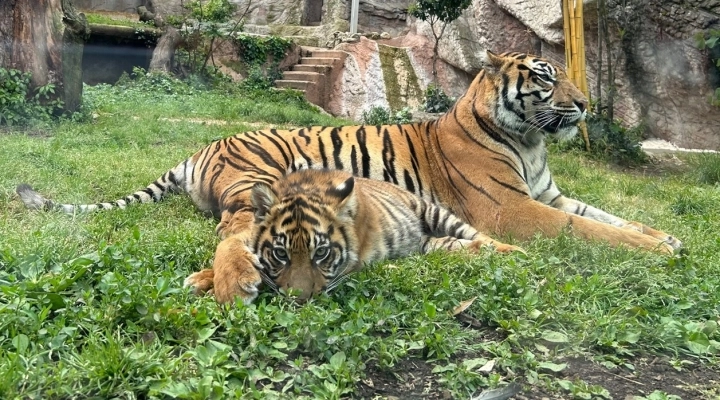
(436, 101)
(262, 78)
(378, 115)
(156, 82)
(18, 106)
(211, 10)
(610, 140)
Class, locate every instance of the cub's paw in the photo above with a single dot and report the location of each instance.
(243, 286)
(478, 245)
(508, 248)
(200, 282)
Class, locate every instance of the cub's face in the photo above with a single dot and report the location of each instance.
(534, 96)
(301, 239)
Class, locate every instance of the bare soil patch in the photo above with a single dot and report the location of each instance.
(413, 379)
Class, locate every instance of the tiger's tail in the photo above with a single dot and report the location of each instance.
(174, 180)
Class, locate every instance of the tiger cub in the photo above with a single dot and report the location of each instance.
(315, 227)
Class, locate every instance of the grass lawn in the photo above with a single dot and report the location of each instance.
(93, 305)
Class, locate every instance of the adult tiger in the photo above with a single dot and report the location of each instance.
(313, 228)
(485, 160)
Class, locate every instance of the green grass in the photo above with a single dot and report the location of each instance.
(104, 19)
(94, 304)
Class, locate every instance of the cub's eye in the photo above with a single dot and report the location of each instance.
(321, 253)
(280, 254)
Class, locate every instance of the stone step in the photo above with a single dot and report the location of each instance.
(318, 60)
(320, 69)
(300, 85)
(328, 54)
(310, 76)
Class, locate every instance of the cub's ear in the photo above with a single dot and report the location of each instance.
(492, 62)
(345, 194)
(263, 198)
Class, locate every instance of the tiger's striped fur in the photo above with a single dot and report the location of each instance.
(484, 160)
(315, 227)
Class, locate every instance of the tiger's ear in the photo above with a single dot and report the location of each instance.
(263, 197)
(492, 62)
(344, 192)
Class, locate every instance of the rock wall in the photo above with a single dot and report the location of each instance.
(669, 76)
(662, 79)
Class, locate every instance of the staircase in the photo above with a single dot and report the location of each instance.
(315, 74)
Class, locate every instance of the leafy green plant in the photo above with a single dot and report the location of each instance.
(18, 104)
(436, 101)
(378, 115)
(211, 10)
(612, 141)
(255, 49)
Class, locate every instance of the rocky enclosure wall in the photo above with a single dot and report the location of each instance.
(663, 80)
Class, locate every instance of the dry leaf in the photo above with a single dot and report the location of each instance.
(463, 306)
(487, 367)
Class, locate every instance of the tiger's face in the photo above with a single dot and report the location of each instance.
(534, 97)
(303, 237)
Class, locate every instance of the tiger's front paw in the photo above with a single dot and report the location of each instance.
(234, 273)
(670, 240)
(243, 286)
(200, 282)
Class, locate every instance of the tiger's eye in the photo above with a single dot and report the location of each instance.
(280, 254)
(321, 252)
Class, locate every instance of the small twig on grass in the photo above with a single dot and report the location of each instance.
(622, 377)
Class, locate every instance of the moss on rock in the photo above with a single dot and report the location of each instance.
(401, 83)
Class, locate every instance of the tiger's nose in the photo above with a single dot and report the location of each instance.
(581, 105)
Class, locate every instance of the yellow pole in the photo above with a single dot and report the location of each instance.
(573, 43)
(566, 29)
(581, 50)
(575, 51)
